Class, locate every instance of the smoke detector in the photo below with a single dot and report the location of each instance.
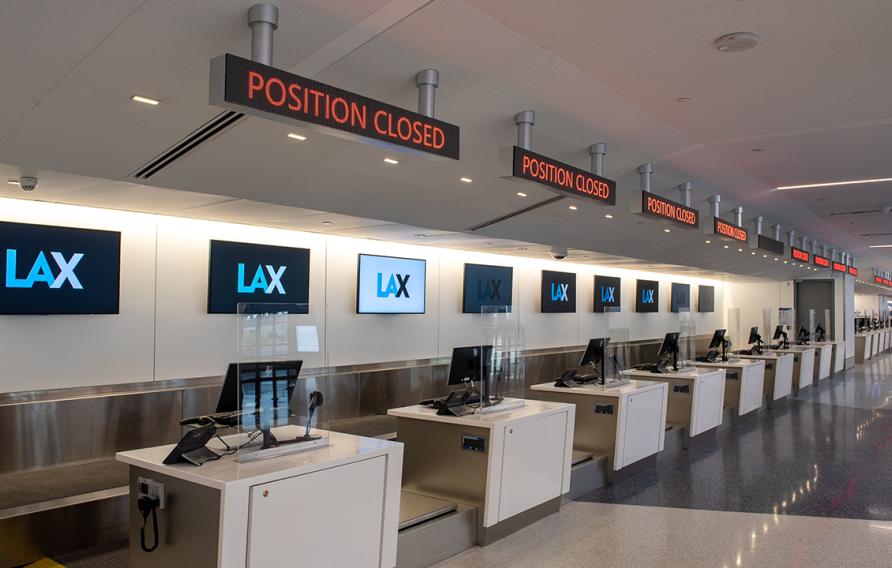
(738, 41)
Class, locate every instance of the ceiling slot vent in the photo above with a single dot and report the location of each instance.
(197, 137)
(514, 214)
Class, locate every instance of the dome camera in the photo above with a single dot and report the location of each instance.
(558, 253)
(28, 183)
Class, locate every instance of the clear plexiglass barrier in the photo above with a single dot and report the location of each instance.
(804, 334)
(499, 362)
(277, 407)
(768, 334)
(617, 353)
(687, 342)
(734, 338)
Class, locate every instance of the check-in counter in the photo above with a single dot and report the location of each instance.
(863, 347)
(778, 374)
(512, 465)
(744, 382)
(875, 343)
(838, 355)
(625, 423)
(823, 359)
(803, 365)
(266, 513)
(696, 398)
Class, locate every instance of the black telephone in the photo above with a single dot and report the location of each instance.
(710, 357)
(191, 448)
(567, 380)
(456, 404)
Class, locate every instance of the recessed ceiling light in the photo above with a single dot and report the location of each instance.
(145, 100)
(465, 179)
(754, 253)
(756, 150)
(521, 194)
(420, 235)
(667, 230)
(14, 182)
(764, 256)
(708, 241)
(294, 136)
(608, 216)
(835, 183)
(573, 208)
(775, 258)
(726, 246)
(683, 100)
(390, 161)
(738, 41)
(739, 250)
(326, 223)
(786, 262)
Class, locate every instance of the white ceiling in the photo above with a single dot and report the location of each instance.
(813, 96)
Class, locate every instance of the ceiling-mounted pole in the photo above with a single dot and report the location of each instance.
(824, 250)
(777, 231)
(758, 222)
(686, 190)
(525, 121)
(791, 236)
(427, 82)
(738, 215)
(644, 173)
(851, 260)
(597, 152)
(715, 202)
(804, 243)
(833, 254)
(263, 19)
(814, 246)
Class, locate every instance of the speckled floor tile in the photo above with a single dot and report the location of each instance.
(584, 535)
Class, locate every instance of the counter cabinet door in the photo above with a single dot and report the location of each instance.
(532, 463)
(644, 425)
(331, 517)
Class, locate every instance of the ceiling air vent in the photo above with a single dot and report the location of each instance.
(514, 214)
(197, 137)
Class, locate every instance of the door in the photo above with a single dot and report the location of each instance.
(814, 295)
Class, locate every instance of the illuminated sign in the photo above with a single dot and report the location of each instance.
(771, 245)
(58, 270)
(259, 90)
(839, 267)
(799, 254)
(655, 206)
(389, 285)
(562, 177)
(647, 296)
(608, 294)
(853, 271)
(487, 288)
(878, 280)
(822, 261)
(558, 292)
(883, 281)
(726, 229)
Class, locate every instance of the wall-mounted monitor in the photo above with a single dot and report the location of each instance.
(706, 300)
(487, 287)
(608, 294)
(558, 292)
(59, 270)
(647, 296)
(681, 297)
(252, 273)
(390, 285)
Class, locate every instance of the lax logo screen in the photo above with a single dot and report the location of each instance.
(648, 296)
(487, 286)
(558, 292)
(245, 273)
(58, 270)
(390, 285)
(607, 294)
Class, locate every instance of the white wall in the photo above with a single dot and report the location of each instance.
(163, 330)
(752, 299)
(866, 304)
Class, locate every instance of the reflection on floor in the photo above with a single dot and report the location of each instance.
(826, 454)
(621, 536)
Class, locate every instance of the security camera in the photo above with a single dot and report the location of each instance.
(28, 183)
(558, 253)
(887, 209)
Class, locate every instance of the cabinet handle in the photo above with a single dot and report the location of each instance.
(266, 492)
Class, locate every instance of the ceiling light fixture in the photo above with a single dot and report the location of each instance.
(834, 183)
(871, 246)
(145, 100)
(14, 182)
(326, 223)
(608, 216)
(573, 208)
(391, 161)
(726, 246)
(756, 150)
(294, 136)
(708, 241)
(465, 179)
(739, 250)
(738, 41)
(521, 194)
(683, 100)
(667, 230)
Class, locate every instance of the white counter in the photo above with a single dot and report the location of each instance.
(839, 354)
(803, 365)
(863, 347)
(744, 382)
(778, 374)
(696, 396)
(524, 461)
(625, 423)
(275, 510)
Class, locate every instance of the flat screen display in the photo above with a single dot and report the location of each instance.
(487, 286)
(607, 294)
(681, 297)
(252, 273)
(647, 298)
(59, 270)
(558, 292)
(706, 301)
(390, 285)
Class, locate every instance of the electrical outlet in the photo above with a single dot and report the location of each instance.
(151, 488)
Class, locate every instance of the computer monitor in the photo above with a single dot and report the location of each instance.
(594, 352)
(669, 345)
(717, 339)
(778, 333)
(259, 389)
(468, 363)
(754, 335)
